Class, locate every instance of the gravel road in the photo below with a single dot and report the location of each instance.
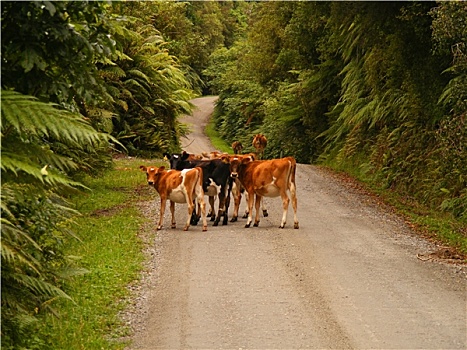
(349, 278)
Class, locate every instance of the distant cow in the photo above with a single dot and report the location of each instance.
(237, 147)
(259, 143)
(216, 181)
(268, 178)
(179, 187)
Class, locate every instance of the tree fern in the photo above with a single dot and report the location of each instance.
(41, 145)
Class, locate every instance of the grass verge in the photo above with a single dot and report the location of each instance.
(216, 140)
(111, 251)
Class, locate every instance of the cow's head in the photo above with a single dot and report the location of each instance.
(177, 160)
(237, 162)
(152, 173)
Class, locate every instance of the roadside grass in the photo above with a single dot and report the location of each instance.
(440, 227)
(216, 140)
(111, 251)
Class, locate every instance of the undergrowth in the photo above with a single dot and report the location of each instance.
(110, 250)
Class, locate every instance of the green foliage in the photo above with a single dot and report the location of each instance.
(35, 215)
(49, 50)
(377, 86)
(111, 251)
(147, 85)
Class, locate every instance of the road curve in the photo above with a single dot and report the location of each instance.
(349, 278)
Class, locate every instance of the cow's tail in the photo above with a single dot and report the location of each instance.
(291, 174)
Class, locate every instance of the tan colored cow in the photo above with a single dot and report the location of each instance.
(259, 143)
(267, 178)
(237, 147)
(179, 187)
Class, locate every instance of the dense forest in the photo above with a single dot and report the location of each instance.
(378, 89)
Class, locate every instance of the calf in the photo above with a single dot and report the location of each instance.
(268, 178)
(237, 147)
(259, 143)
(238, 189)
(216, 180)
(178, 187)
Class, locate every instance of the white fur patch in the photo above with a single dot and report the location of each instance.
(213, 189)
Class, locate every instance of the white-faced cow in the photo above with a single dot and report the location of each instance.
(216, 181)
(267, 178)
(179, 187)
(237, 147)
(259, 143)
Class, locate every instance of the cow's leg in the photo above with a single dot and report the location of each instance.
(172, 211)
(202, 206)
(161, 217)
(257, 205)
(251, 197)
(221, 209)
(237, 196)
(285, 206)
(247, 211)
(195, 216)
(212, 212)
(190, 204)
(293, 194)
(263, 207)
(226, 206)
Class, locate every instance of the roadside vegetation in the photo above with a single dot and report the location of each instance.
(375, 90)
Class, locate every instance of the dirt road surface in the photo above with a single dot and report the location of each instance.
(349, 278)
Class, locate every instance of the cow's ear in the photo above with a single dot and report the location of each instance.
(185, 155)
(161, 169)
(225, 159)
(246, 160)
(166, 156)
(143, 168)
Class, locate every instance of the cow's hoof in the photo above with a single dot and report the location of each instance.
(247, 225)
(216, 223)
(213, 218)
(205, 228)
(295, 225)
(159, 228)
(185, 228)
(234, 219)
(245, 216)
(265, 213)
(173, 226)
(256, 224)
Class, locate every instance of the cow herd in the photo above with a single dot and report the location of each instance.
(220, 176)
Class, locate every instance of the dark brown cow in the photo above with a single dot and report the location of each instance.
(237, 147)
(179, 187)
(259, 143)
(267, 178)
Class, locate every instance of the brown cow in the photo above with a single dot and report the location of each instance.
(237, 147)
(179, 187)
(268, 178)
(259, 143)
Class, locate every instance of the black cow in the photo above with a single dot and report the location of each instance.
(216, 181)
